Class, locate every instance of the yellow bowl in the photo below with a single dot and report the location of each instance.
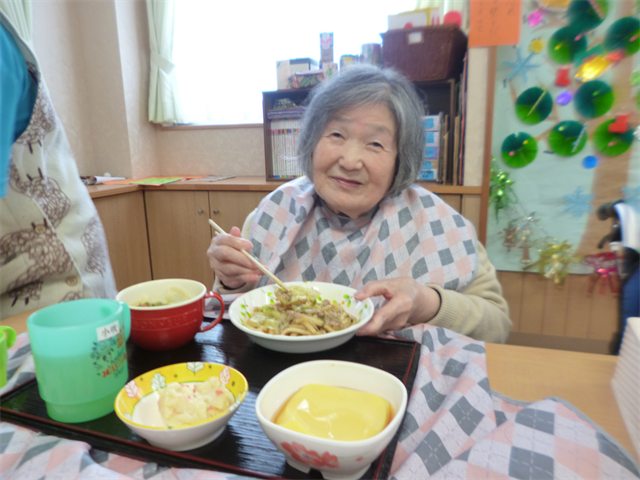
(185, 437)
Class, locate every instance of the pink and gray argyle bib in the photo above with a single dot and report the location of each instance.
(412, 234)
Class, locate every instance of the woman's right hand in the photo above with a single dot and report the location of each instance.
(226, 259)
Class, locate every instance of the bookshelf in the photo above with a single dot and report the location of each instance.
(437, 96)
(269, 100)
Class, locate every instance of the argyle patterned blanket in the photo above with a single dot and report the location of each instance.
(412, 234)
(456, 427)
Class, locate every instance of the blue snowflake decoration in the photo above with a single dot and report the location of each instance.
(578, 203)
(632, 196)
(520, 66)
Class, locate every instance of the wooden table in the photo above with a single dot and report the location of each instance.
(530, 374)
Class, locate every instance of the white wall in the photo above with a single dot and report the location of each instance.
(95, 59)
(95, 89)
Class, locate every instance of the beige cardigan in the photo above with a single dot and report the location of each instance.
(480, 312)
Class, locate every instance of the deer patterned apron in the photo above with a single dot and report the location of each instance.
(52, 244)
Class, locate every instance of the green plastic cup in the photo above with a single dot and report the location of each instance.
(79, 349)
(7, 339)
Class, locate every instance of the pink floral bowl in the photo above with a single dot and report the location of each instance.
(336, 460)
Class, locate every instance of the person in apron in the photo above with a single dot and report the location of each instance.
(52, 244)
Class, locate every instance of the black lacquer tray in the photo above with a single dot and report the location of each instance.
(243, 448)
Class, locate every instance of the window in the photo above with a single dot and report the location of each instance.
(226, 50)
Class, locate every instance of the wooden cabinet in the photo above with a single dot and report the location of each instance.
(179, 230)
(125, 226)
(229, 209)
(179, 234)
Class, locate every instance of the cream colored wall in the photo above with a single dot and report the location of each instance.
(95, 59)
(57, 44)
(476, 116)
(133, 36)
(234, 151)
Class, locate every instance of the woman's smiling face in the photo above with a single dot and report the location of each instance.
(355, 159)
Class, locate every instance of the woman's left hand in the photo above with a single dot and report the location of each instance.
(407, 301)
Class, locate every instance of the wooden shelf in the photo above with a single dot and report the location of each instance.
(248, 184)
(438, 96)
(451, 189)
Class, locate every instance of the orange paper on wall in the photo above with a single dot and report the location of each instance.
(494, 22)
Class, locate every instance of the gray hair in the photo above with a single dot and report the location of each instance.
(358, 86)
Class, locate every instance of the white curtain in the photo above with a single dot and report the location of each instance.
(19, 13)
(164, 105)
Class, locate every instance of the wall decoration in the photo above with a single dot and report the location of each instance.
(494, 22)
(566, 44)
(595, 65)
(624, 35)
(587, 14)
(609, 143)
(568, 138)
(562, 77)
(590, 161)
(565, 121)
(605, 272)
(564, 98)
(520, 66)
(554, 261)
(554, 5)
(536, 17)
(519, 149)
(593, 99)
(534, 105)
(501, 193)
(578, 203)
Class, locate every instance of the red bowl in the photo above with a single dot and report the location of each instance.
(170, 326)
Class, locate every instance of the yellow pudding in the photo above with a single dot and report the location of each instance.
(335, 413)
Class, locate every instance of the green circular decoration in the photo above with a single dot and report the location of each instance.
(593, 99)
(519, 149)
(623, 34)
(567, 138)
(609, 143)
(566, 44)
(583, 16)
(534, 105)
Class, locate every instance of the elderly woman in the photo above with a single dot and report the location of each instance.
(356, 218)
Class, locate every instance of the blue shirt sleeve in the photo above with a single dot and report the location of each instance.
(18, 93)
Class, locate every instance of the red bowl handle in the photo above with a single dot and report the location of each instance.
(217, 320)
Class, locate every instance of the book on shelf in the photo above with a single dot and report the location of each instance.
(444, 150)
(463, 119)
(431, 165)
(284, 146)
(456, 148)
(286, 113)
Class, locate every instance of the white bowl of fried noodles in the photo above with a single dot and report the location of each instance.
(326, 297)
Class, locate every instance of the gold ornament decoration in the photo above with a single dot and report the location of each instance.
(554, 260)
(510, 236)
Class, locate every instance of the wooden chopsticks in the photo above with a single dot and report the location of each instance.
(217, 228)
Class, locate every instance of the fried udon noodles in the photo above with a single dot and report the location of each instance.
(300, 312)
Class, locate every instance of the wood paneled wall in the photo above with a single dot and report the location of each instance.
(538, 305)
(539, 308)
(467, 205)
(545, 314)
